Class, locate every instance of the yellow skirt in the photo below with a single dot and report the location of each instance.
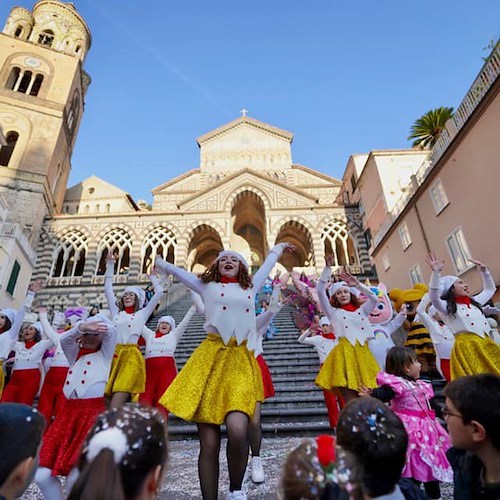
(2, 378)
(348, 367)
(128, 371)
(216, 380)
(472, 354)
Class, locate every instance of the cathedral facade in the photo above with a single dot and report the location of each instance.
(246, 193)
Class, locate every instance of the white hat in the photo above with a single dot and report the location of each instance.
(166, 319)
(445, 283)
(232, 253)
(335, 287)
(139, 293)
(324, 321)
(37, 326)
(9, 313)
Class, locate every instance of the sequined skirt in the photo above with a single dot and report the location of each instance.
(348, 367)
(472, 354)
(128, 371)
(216, 380)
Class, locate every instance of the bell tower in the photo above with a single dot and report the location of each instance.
(42, 91)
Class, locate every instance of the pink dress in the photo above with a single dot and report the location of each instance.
(427, 440)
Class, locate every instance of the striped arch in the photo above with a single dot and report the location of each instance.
(300, 236)
(117, 241)
(228, 202)
(68, 257)
(204, 244)
(191, 229)
(297, 219)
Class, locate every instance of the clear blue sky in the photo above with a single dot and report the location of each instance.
(344, 77)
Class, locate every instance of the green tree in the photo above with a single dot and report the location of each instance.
(427, 129)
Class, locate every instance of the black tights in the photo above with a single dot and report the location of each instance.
(236, 452)
(432, 489)
(255, 431)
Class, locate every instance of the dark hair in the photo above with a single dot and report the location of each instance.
(377, 438)
(397, 359)
(451, 305)
(38, 335)
(477, 397)
(213, 274)
(8, 324)
(146, 439)
(304, 478)
(21, 429)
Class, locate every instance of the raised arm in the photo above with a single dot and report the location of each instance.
(108, 285)
(489, 287)
(189, 279)
(434, 286)
(151, 305)
(321, 288)
(46, 326)
(271, 259)
(147, 333)
(181, 327)
(69, 345)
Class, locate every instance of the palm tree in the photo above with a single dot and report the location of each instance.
(427, 129)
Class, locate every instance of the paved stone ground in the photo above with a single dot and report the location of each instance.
(181, 481)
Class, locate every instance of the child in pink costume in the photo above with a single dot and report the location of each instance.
(409, 398)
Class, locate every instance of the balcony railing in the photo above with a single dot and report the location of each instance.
(487, 76)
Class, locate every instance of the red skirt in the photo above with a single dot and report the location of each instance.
(160, 373)
(23, 387)
(52, 397)
(63, 441)
(267, 380)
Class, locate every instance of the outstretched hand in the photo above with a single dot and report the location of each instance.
(110, 258)
(349, 279)
(35, 286)
(288, 247)
(94, 328)
(478, 263)
(329, 260)
(364, 391)
(434, 263)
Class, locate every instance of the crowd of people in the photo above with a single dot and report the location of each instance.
(98, 405)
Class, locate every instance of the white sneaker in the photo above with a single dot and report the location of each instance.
(236, 495)
(257, 470)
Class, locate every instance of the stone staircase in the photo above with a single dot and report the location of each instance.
(298, 407)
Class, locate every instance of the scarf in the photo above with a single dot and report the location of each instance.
(159, 335)
(330, 335)
(29, 344)
(82, 351)
(129, 309)
(349, 307)
(225, 279)
(463, 299)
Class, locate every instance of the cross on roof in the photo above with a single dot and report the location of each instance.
(244, 112)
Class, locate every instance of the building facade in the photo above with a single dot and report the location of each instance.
(451, 205)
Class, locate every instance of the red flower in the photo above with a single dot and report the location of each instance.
(326, 449)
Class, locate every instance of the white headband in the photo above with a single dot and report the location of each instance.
(324, 321)
(232, 253)
(445, 283)
(139, 293)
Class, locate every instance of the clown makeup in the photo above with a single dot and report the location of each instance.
(229, 266)
(164, 327)
(129, 299)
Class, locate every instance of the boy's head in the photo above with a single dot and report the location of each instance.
(473, 411)
(21, 429)
(377, 438)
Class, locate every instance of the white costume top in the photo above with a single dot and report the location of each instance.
(229, 309)
(8, 338)
(88, 375)
(353, 325)
(164, 346)
(322, 345)
(467, 319)
(129, 326)
(27, 359)
(59, 358)
(262, 322)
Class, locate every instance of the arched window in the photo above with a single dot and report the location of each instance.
(337, 242)
(13, 77)
(25, 82)
(73, 114)
(108, 208)
(37, 84)
(119, 243)
(160, 241)
(6, 151)
(46, 38)
(97, 208)
(18, 32)
(68, 258)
